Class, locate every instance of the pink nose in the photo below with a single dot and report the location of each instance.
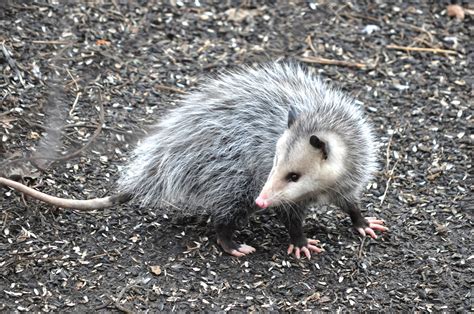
(262, 201)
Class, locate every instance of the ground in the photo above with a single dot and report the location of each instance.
(82, 83)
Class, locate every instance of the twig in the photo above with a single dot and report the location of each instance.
(361, 248)
(12, 63)
(73, 79)
(104, 305)
(309, 42)
(168, 88)
(5, 218)
(117, 7)
(387, 164)
(119, 296)
(390, 176)
(416, 28)
(51, 42)
(75, 103)
(387, 154)
(6, 112)
(332, 62)
(421, 49)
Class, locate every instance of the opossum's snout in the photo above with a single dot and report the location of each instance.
(262, 201)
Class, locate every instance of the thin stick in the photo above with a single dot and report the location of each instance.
(6, 112)
(73, 79)
(74, 104)
(332, 62)
(309, 41)
(51, 42)
(416, 28)
(387, 154)
(421, 49)
(168, 88)
(119, 296)
(12, 63)
(361, 247)
(390, 176)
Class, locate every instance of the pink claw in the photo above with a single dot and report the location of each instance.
(242, 250)
(310, 247)
(374, 224)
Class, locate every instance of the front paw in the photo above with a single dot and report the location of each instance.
(306, 249)
(370, 225)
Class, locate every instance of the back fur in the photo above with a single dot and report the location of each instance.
(216, 150)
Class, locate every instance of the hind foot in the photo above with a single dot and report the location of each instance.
(235, 249)
(372, 225)
(305, 249)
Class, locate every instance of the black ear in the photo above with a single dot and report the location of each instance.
(292, 115)
(318, 144)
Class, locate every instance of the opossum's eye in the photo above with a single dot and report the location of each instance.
(293, 176)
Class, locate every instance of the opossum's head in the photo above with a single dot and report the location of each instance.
(306, 163)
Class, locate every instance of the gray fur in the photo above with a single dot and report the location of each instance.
(216, 150)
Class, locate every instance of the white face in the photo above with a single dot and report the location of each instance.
(302, 172)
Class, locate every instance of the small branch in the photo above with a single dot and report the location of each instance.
(433, 50)
(6, 113)
(387, 154)
(319, 60)
(12, 63)
(74, 104)
(361, 247)
(168, 88)
(51, 42)
(73, 79)
(387, 171)
(117, 304)
(390, 176)
(309, 42)
(416, 28)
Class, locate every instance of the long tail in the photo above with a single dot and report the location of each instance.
(95, 203)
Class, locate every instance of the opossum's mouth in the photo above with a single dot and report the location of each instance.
(264, 201)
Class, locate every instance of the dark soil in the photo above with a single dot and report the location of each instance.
(60, 64)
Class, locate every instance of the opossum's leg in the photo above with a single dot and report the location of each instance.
(293, 221)
(365, 226)
(225, 232)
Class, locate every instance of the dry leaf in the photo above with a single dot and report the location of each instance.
(456, 11)
(155, 270)
(102, 42)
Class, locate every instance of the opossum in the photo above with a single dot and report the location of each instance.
(271, 136)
